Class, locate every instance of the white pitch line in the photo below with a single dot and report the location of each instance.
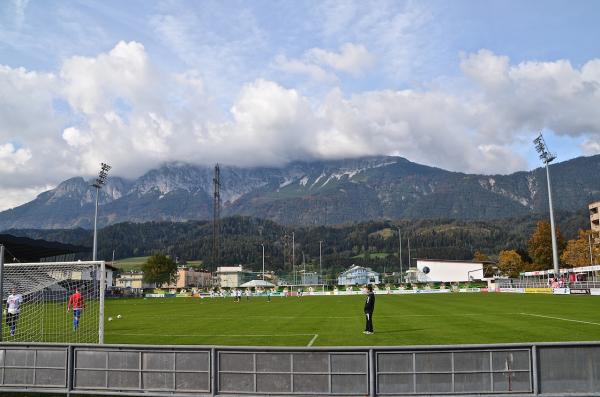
(219, 335)
(326, 317)
(558, 318)
(312, 340)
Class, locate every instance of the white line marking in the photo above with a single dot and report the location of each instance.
(219, 335)
(326, 317)
(558, 318)
(312, 340)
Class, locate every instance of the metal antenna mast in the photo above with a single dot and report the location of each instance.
(216, 254)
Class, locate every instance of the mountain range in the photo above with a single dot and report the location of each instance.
(312, 193)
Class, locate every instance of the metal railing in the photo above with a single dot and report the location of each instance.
(544, 284)
(545, 369)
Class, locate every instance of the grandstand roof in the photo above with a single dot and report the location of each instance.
(23, 249)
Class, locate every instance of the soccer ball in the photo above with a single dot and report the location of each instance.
(118, 316)
(110, 319)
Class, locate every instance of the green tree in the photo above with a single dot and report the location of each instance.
(510, 263)
(539, 246)
(160, 269)
(577, 252)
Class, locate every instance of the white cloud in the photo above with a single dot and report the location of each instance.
(123, 110)
(397, 33)
(92, 84)
(74, 137)
(11, 158)
(533, 95)
(20, 6)
(13, 197)
(591, 148)
(352, 58)
(302, 67)
(220, 42)
(320, 65)
(270, 125)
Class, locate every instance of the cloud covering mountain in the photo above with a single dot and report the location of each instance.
(312, 193)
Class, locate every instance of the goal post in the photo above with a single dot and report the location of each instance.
(57, 302)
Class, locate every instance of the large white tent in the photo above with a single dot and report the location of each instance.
(257, 283)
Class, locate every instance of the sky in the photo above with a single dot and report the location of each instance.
(461, 85)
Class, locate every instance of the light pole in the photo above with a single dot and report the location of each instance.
(321, 263)
(100, 181)
(263, 272)
(547, 157)
(408, 238)
(400, 253)
(1, 286)
(591, 252)
(294, 258)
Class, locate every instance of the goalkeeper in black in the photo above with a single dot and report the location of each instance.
(369, 308)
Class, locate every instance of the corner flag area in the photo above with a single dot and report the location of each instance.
(465, 318)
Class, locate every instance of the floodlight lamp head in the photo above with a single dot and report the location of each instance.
(102, 175)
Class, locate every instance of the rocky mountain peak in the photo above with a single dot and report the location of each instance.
(312, 192)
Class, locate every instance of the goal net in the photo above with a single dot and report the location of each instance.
(61, 302)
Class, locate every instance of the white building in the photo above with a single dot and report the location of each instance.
(358, 275)
(232, 276)
(445, 271)
(133, 280)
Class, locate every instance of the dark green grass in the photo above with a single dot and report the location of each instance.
(50, 322)
(339, 321)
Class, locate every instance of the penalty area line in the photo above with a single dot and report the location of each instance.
(312, 340)
(558, 318)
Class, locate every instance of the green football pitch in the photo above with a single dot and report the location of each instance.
(431, 319)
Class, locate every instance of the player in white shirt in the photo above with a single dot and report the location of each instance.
(13, 308)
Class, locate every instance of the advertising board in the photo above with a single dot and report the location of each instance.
(538, 290)
(513, 290)
(580, 291)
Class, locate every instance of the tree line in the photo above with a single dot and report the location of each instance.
(374, 244)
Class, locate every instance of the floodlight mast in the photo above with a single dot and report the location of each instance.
(100, 181)
(263, 261)
(547, 158)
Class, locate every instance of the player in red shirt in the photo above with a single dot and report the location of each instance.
(77, 303)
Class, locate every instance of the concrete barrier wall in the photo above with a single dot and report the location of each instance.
(549, 369)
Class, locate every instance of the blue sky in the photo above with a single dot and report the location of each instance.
(462, 85)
